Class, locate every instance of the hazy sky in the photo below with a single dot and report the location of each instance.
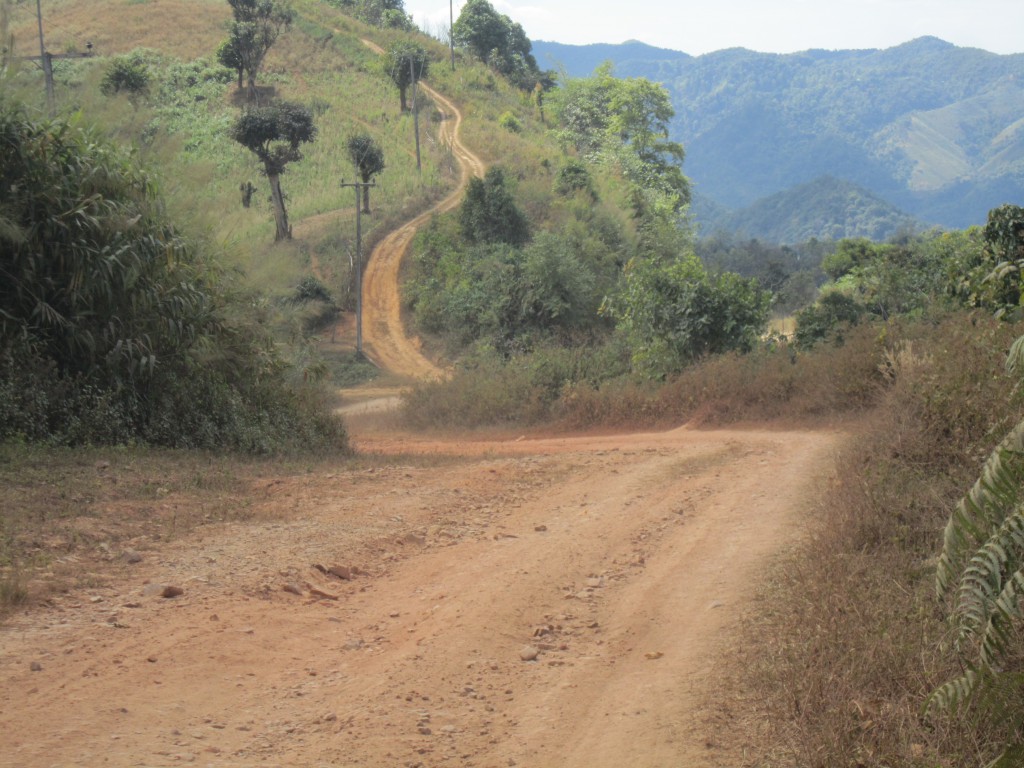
(770, 26)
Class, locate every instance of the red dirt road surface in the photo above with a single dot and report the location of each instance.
(554, 602)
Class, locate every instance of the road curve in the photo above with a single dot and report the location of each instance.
(385, 340)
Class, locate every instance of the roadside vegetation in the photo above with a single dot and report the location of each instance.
(179, 294)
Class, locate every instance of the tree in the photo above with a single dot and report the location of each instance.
(256, 27)
(498, 41)
(489, 214)
(126, 74)
(627, 120)
(368, 159)
(403, 62)
(274, 133)
(674, 313)
(114, 328)
(229, 56)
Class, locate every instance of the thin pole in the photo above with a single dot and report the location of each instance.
(44, 59)
(359, 264)
(359, 273)
(415, 111)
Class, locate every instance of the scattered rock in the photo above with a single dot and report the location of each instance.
(321, 594)
(413, 538)
(424, 730)
(171, 591)
(353, 645)
(343, 572)
(295, 589)
(529, 653)
(652, 655)
(151, 659)
(716, 604)
(131, 556)
(540, 528)
(35, 666)
(95, 599)
(595, 582)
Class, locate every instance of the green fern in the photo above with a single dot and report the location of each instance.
(982, 562)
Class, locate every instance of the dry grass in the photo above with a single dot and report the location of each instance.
(184, 28)
(847, 640)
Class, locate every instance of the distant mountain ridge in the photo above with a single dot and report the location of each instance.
(931, 129)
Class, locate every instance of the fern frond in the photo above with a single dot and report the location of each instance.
(954, 694)
(1006, 610)
(1015, 359)
(983, 510)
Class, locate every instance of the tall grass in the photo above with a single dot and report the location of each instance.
(848, 641)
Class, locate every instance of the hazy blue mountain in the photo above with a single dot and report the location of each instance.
(930, 128)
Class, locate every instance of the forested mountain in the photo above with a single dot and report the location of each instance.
(932, 129)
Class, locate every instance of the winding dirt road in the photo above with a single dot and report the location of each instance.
(541, 603)
(385, 340)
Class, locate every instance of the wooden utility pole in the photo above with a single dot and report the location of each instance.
(451, 29)
(45, 59)
(415, 111)
(359, 262)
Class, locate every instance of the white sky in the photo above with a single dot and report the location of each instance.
(769, 26)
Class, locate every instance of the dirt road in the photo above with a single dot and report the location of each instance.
(551, 602)
(384, 338)
(536, 603)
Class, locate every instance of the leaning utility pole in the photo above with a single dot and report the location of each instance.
(46, 58)
(415, 111)
(359, 263)
(451, 29)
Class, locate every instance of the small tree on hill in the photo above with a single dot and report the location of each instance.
(402, 63)
(255, 29)
(229, 56)
(489, 214)
(274, 133)
(126, 74)
(368, 159)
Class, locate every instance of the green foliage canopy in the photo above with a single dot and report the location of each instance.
(498, 41)
(405, 62)
(126, 74)
(274, 133)
(113, 327)
(673, 313)
(256, 27)
(368, 159)
(489, 213)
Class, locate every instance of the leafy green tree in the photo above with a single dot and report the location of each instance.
(627, 120)
(368, 159)
(256, 27)
(229, 56)
(496, 40)
(274, 134)
(113, 327)
(403, 62)
(673, 313)
(126, 74)
(489, 213)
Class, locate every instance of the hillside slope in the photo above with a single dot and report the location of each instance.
(931, 128)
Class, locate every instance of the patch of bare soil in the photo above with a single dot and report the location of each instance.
(549, 602)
